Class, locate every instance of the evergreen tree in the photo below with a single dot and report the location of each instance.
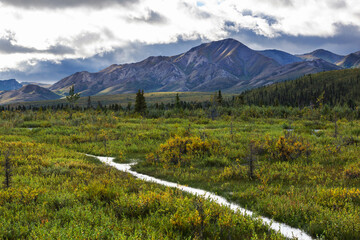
(72, 97)
(140, 103)
(177, 101)
(89, 105)
(219, 97)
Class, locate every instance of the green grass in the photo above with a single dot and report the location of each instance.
(124, 99)
(58, 193)
(317, 190)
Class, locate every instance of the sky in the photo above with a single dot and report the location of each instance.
(47, 40)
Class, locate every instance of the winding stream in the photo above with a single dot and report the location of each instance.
(284, 229)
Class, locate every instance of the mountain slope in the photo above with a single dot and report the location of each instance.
(288, 72)
(339, 87)
(227, 65)
(27, 93)
(281, 57)
(208, 67)
(322, 54)
(11, 84)
(350, 61)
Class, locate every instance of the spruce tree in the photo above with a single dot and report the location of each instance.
(219, 97)
(140, 103)
(89, 105)
(177, 101)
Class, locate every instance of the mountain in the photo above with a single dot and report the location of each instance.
(289, 72)
(11, 84)
(321, 54)
(208, 67)
(44, 85)
(27, 93)
(351, 61)
(227, 64)
(283, 58)
(337, 87)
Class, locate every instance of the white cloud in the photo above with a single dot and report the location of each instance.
(89, 31)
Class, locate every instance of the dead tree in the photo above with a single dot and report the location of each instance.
(8, 170)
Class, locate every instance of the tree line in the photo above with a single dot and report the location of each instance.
(340, 87)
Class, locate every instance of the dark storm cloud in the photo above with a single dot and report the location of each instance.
(7, 46)
(151, 17)
(59, 50)
(41, 4)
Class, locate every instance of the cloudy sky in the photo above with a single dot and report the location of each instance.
(46, 40)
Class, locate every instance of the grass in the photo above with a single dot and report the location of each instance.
(306, 179)
(124, 99)
(58, 193)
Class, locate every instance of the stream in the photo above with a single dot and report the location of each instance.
(284, 229)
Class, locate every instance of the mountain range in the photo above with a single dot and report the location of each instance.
(11, 84)
(27, 93)
(227, 65)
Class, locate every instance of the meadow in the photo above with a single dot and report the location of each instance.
(297, 166)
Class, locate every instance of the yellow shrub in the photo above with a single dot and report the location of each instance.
(352, 171)
(179, 151)
(287, 147)
(337, 197)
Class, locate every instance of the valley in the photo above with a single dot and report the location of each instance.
(304, 172)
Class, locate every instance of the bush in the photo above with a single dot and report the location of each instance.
(181, 151)
(287, 147)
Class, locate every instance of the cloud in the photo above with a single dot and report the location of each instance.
(59, 50)
(57, 31)
(8, 45)
(338, 4)
(151, 17)
(53, 71)
(343, 42)
(56, 4)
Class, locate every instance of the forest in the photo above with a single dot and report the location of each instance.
(340, 87)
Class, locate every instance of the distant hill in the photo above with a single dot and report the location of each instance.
(44, 85)
(27, 93)
(281, 57)
(322, 54)
(290, 72)
(351, 61)
(339, 87)
(11, 84)
(227, 65)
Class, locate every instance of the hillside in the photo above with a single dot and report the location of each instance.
(322, 54)
(27, 93)
(339, 87)
(11, 84)
(227, 65)
(281, 57)
(351, 61)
